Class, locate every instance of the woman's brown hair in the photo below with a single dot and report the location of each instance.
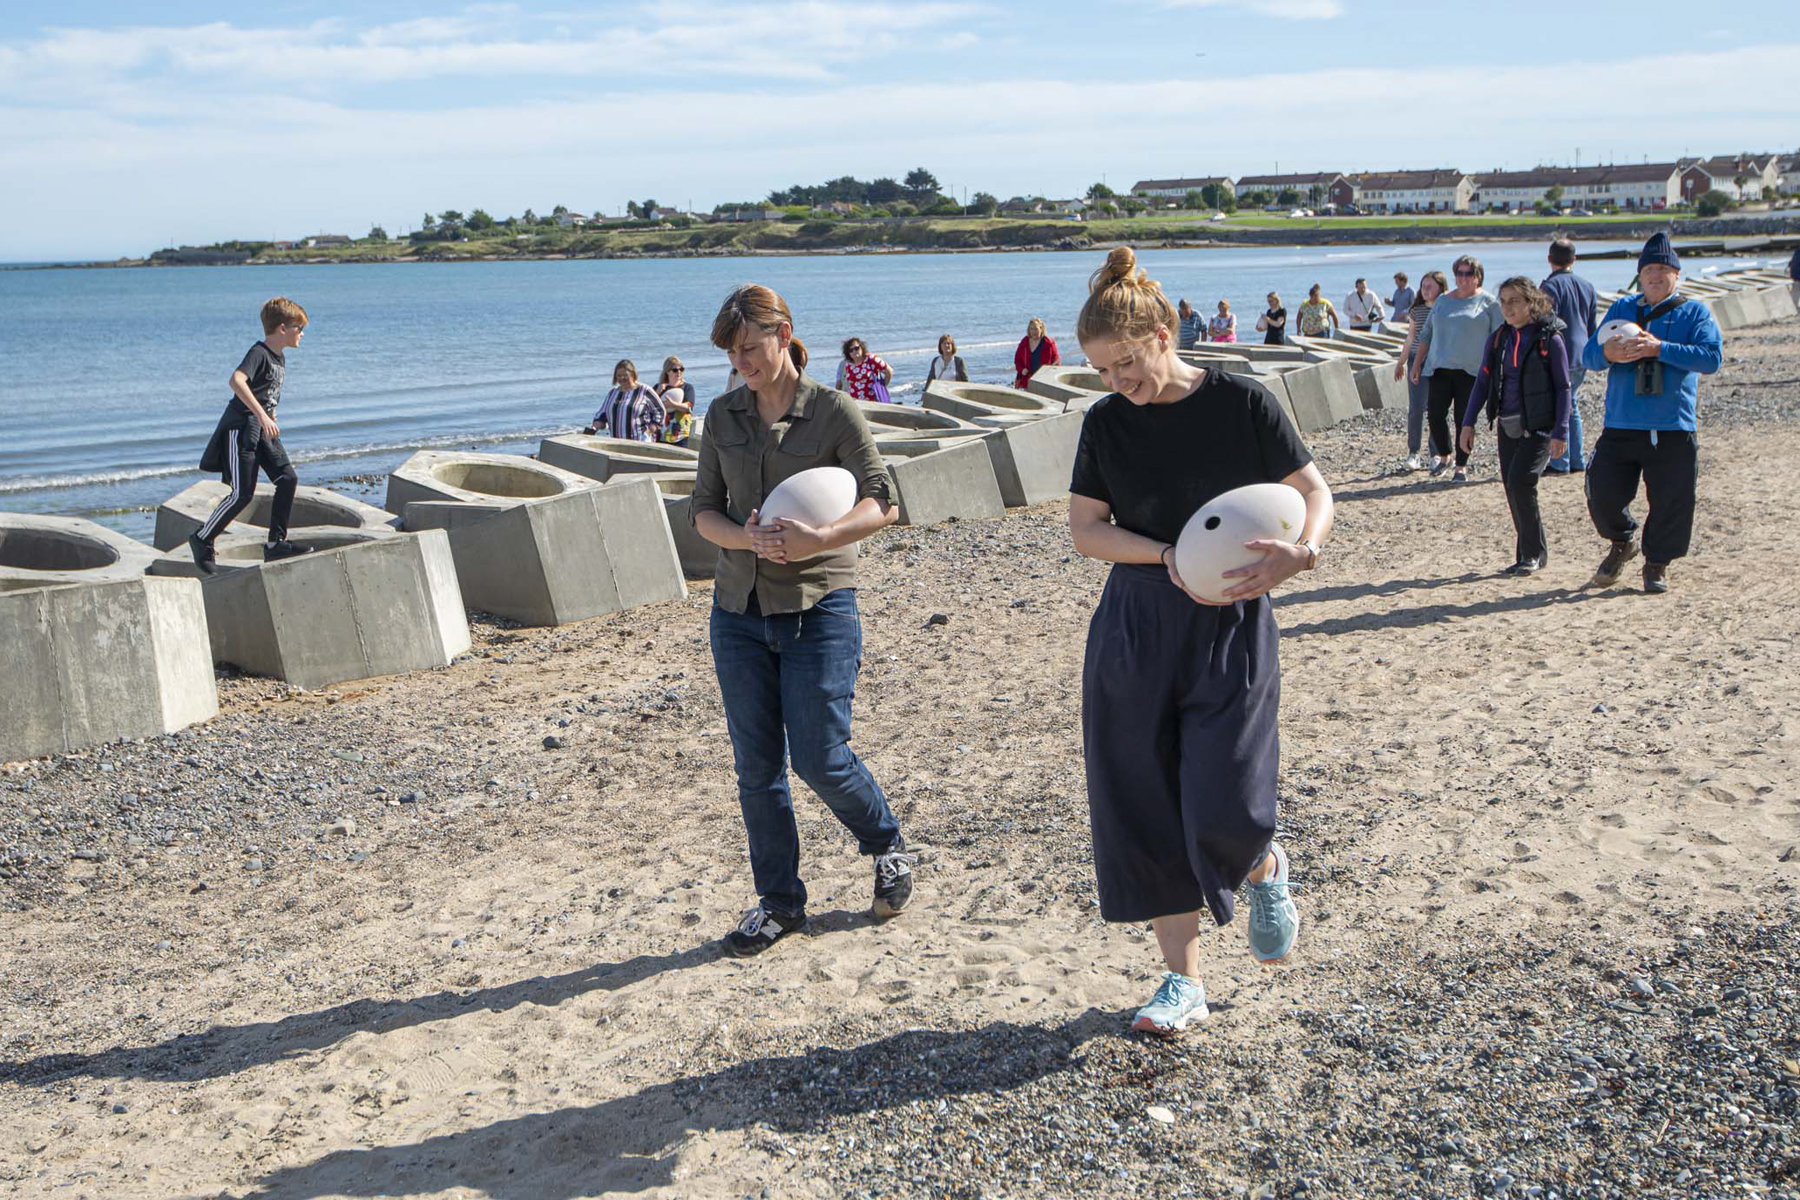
(669, 364)
(753, 306)
(1537, 303)
(853, 341)
(1474, 264)
(1123, 302)
(626, 365)
(1436, 277)
(944, 337)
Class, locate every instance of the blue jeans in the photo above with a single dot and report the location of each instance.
(1572, 460)
(787, 682)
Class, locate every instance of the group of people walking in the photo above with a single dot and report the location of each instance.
(641, 413)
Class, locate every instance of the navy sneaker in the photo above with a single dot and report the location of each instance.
(893, 879)
(759, 930)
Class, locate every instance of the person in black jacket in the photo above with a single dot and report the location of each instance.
(1524, 388)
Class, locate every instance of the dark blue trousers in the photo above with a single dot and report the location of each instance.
(1178, 725)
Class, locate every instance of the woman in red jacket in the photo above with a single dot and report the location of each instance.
(1035, 350)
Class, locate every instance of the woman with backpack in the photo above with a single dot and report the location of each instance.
(1524, 388)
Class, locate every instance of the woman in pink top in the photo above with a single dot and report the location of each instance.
(1222, 328)
(862, 371)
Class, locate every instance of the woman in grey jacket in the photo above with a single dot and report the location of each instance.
(1449, 352)
(948, 364)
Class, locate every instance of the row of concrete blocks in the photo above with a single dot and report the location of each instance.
(1750, 306)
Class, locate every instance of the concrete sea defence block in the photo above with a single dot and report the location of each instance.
(972, 400)
(1065, 384)
(913, 418)
(699, 557)
(1323, 394)
(1728, 311)
(1755, 307)
(89, 663)
(570, 557)
(1033, 462)
(39, 551)
(182, 514)
(379, 606)
(1377, 388)
(935, 484)
(244, 551)
(1781, 303)
(481, 479)
(601, 458)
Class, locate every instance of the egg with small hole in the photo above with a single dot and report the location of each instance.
(1212, 541)
(815, 497)
(1617, 328)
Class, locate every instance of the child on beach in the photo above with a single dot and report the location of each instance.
(247, 438)
(1179, 695)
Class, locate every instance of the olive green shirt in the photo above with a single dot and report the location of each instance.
(741, 462)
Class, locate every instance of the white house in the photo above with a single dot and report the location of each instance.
(1176, 189)
(570, 220)
(1414, 191)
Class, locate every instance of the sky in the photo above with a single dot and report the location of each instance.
(128, 127)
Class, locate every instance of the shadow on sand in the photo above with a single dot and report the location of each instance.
(227, 1049)
(625, 1144)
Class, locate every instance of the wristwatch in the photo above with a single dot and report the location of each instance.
(1312, 550)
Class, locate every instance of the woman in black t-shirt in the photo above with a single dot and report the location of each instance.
(1273, 322)
(1179, 694)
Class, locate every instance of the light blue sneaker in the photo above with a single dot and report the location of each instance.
(1178, 1000)
(1274, 921)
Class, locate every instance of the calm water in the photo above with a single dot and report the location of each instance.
(111, 380)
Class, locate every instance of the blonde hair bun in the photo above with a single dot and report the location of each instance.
(1123, 301)
(1121, 262)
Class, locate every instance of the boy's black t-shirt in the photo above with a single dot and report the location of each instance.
(1156, 464)
(264, 369)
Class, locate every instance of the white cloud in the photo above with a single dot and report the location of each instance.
(1292, 10)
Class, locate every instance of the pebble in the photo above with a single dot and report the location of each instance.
(552, 742)
(937, 619)
(1157, 1112)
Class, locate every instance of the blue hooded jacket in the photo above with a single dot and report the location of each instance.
(1691, 347)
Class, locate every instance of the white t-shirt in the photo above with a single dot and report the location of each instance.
(1363, 308)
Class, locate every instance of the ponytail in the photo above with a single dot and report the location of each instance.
(797, 352)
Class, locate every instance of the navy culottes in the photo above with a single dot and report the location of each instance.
(1178, 728)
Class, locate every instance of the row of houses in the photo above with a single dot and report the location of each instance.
(1622, 186)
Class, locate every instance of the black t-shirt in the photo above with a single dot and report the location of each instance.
(1272, 335)
(1156, 464)
(264, 368)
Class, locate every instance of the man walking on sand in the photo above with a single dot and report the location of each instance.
(1652, 390)
(1576, 304)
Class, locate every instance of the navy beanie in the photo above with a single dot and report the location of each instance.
(1659, 250)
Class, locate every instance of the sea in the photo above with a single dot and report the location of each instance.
(111, 379)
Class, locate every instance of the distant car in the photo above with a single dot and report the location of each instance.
(1349, 210)
(1301, 212)
(1581, 212)
(1218, 216)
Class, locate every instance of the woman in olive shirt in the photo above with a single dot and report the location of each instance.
(786, 638)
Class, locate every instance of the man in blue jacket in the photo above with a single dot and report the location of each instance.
(1575, 303)
(1652, 386)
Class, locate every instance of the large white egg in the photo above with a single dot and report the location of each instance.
(814, 497)
(1212, 542)
(1618, 327)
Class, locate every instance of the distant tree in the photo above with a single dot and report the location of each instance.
(647, 209)
(1194, 199)
(558, 211)
(479, 220)
(530, 218)
(1258, 198)
(377, 234)
(1315, 194)
(985, 204)
(1287, 196)
(1100, 191)
(884, 190)
(1217, 195)
(1553, 194)
(429, 221)
(921, 186)
(1712, 203)
(631, 209)
(450, 217)
(1134, 205)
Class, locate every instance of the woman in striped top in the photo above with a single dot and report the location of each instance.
(630, 410)
(1431, 286)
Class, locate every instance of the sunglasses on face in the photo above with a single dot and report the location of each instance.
(1465, 274)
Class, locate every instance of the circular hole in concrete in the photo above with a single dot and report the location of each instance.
(307, 511)
(47, 550)
(495, 479)
(1001, 398)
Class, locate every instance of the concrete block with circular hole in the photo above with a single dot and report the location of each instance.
(1323, 394)
(39, 551)
(185, 512)
(566, 558)
(93, 662)
(699, 558)
(485, 481)
(373, 605)
(602, 458)
(1064, 383)
(910, 419)
(971, 401)
(235, 551)
(935, 480)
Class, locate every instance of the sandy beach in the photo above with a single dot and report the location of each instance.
(383, 940)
